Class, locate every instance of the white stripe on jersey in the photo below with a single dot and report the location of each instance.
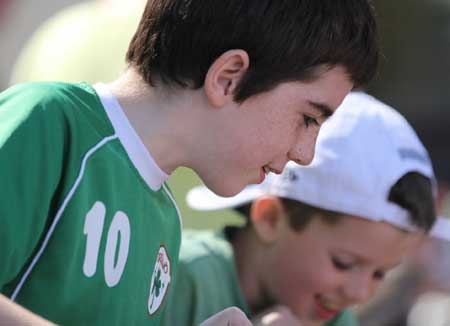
(59, 213)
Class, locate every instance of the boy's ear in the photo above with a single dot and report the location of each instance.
(267, 217)
(224, 75)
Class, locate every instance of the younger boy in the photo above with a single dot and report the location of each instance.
(90, 233)
(319, 238)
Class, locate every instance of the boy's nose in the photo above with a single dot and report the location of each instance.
(303, 151)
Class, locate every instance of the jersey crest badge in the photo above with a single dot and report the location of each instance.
(160, 283)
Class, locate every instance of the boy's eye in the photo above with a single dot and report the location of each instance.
(309, 121)
(338, 264)
(378, 275)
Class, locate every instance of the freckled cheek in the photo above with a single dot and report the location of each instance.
(269, 146)
(299, 282)
(374, 288)
(297, 291)
(286, 138)
(245, 149)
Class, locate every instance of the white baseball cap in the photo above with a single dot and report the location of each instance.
(361, 152)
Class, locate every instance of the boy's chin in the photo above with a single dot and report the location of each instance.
(225, 189)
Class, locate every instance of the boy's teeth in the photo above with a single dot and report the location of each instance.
(328, 305)
(266, 170)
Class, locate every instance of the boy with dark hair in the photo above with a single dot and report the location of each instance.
(233, 88)
(319, 238)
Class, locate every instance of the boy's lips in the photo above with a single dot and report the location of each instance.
(262, 174)
(325, 310)
(265, 170)
(268, 169)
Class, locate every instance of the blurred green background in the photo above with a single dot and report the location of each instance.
(180, 182)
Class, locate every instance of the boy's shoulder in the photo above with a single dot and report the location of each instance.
(47, 91)
(44, 96)
(206, 257)
(200, 243)
(53, 106)
(345, 318)
(203, 250)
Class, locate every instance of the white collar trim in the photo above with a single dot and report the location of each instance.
(136, 150)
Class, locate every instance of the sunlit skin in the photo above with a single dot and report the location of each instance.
(269, 129)
(320, 270)
(230, 144)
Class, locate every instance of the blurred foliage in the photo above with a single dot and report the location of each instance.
(180, 182)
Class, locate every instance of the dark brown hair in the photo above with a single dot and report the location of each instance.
(414, 193)
(287, 40)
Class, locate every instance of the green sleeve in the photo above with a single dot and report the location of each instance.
(345, 318)
(31, 149)
(179, 309)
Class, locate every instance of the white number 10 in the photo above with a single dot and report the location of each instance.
(93, 229)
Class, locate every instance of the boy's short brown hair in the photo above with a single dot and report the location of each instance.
(287, 40)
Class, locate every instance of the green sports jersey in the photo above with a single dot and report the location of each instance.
(207, 282)
(89, 231)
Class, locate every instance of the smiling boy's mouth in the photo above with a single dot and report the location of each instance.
(326, 309)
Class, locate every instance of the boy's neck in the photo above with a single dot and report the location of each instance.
(248, 255)
(157, 115)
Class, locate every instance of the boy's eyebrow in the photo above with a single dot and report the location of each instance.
(361, 259)
(322, 107)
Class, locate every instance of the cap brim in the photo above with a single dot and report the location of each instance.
(203, 199)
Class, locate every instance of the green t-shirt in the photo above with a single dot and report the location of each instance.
(89, 231)
(206, 282)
